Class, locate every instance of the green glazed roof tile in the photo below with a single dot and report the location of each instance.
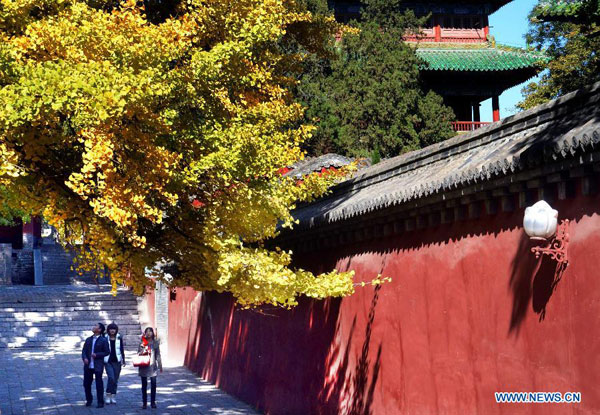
(483, 59)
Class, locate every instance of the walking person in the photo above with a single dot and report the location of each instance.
(149, 345)
(114, 361)
(94, 350)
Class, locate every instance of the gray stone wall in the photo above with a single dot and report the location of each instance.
(161, 310)
(5, 264)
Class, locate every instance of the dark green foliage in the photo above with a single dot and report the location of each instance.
(574, 11)
(368, 98)
(574, 49)
(8, 216)
(375, 156)
(390, 14)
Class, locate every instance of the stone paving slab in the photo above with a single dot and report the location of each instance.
(44, 382)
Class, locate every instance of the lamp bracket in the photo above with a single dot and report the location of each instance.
(556, 248)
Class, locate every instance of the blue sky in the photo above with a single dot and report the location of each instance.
(509, 25)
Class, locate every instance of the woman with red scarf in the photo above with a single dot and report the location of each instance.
(149, 345)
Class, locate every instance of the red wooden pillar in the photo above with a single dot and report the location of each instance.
(438, 32)
(486, 28)
(495, 108)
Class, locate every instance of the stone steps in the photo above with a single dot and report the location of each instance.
(65, 323)
(18, 314)
(37, 302)
(47, 309)
(64, 343)
(38, 333)
(52, 329)
(81, 335)
(22, 272)
(89, 318)
(62, 316)
(69, 306)
(57, 266)
(62, 294)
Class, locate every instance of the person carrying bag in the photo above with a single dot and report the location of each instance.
(149, 363)
(141, 360)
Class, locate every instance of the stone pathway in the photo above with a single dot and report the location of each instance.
(47, 382)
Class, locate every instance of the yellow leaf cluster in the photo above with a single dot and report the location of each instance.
(159, 140)
(8, 165)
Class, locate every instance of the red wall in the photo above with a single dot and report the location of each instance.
(470, 312)
(183, 315)
(12, 235)
(33, 227)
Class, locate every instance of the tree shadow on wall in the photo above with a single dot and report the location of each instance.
(532, 280)
(360, 387)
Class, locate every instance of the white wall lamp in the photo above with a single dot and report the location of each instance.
(541, 223)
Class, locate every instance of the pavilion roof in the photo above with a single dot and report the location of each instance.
(487, 58)
(491, 5)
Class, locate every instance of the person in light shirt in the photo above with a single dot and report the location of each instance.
(114, 361)
(94, 350)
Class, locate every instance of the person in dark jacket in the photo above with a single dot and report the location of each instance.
(149, 345)
(94, 350)
(113, 361)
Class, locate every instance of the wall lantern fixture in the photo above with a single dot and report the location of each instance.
(541, 224)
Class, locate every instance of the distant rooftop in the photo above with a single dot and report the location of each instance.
(316, 164)
(351, 8)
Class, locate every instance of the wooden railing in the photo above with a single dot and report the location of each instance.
(448, 35)
(443, 39)
(463, 126)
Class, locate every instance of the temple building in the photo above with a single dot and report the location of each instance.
(461, 60)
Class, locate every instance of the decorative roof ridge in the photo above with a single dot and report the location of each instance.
(507, 48)
(448, 45)
(483, 48)
(461, 143)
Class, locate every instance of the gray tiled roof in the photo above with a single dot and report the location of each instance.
(313, 164)
(559, 129)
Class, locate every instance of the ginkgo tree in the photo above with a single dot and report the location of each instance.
(154, 132)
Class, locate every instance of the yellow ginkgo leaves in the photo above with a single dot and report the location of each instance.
(156, 135)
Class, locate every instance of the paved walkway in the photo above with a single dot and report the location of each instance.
(43, 382)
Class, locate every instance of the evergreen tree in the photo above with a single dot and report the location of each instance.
(366, 96)
(573, 46)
